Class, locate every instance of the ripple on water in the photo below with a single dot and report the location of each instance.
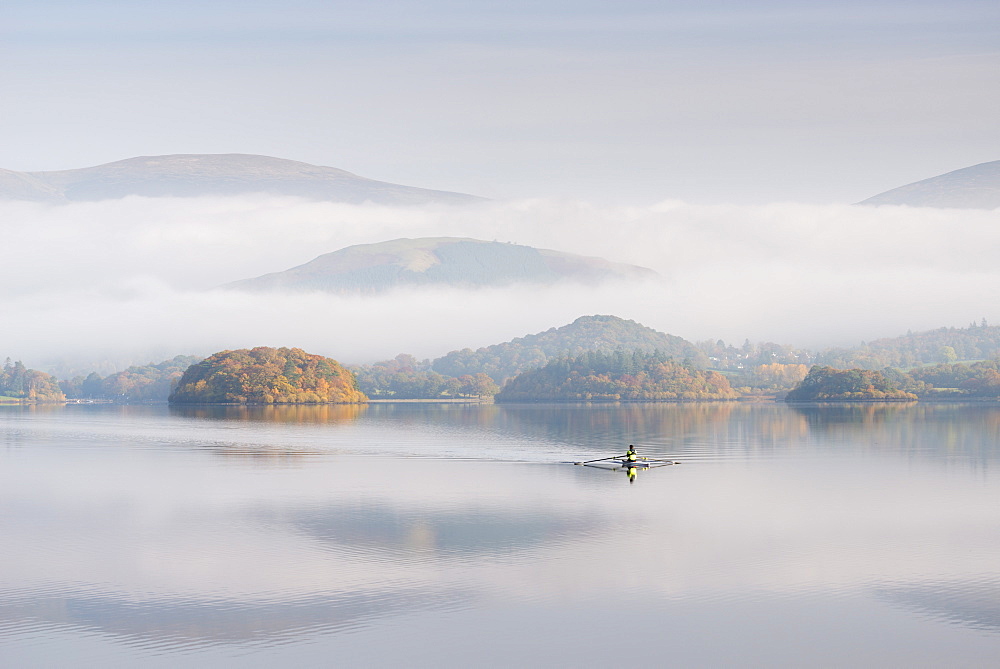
(972, 602)
(164, 624)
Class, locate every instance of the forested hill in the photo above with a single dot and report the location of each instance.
(587, 333)
(618, 376)
(978, 341)
(439, 261)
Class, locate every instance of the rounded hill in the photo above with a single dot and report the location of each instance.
(266, 375)
(439, 261)
(586, 334)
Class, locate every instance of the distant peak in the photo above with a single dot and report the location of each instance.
(975, 187)
(221, 174)
(443, 261)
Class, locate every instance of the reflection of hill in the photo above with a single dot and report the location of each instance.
(471, 534)
(387, 540)
(598, 428)
(664, 427)
(974, 604)
(190, 623)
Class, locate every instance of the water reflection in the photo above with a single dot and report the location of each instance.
(727, 429)
(144, 527)
(662, 429)
(387, 532)
(968, 430)
(630, 470)
(173, 624)
(324, 414)
(973, 603)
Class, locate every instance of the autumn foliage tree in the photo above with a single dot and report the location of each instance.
(30, 385)
(477, 385)
(773, 377)
(266, 375)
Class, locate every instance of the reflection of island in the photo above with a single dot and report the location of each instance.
(275, 413)
(263, 450)
(910, 427)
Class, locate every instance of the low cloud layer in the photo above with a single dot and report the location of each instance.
(135, 280)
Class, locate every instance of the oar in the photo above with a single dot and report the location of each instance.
(613, 457)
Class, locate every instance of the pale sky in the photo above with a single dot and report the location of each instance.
(619, 102)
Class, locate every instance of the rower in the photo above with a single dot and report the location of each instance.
(630, 454)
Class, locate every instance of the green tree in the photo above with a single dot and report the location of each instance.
(616, 376)
(826, 384)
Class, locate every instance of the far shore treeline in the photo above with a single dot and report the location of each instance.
(595, 358)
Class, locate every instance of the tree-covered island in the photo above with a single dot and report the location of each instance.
(634, 376)
(266, 375)
(826, 384)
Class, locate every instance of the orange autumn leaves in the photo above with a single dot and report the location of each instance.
(266, 375)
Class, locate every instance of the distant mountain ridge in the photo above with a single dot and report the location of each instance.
(976, 187)
(442, 261)
(193, 175)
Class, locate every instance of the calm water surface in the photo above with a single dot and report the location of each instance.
(448, 535)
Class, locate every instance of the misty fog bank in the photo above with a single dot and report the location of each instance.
(135, 279)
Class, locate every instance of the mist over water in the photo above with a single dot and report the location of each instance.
(137, 279)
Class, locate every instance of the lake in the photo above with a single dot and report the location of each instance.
(451, 535)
